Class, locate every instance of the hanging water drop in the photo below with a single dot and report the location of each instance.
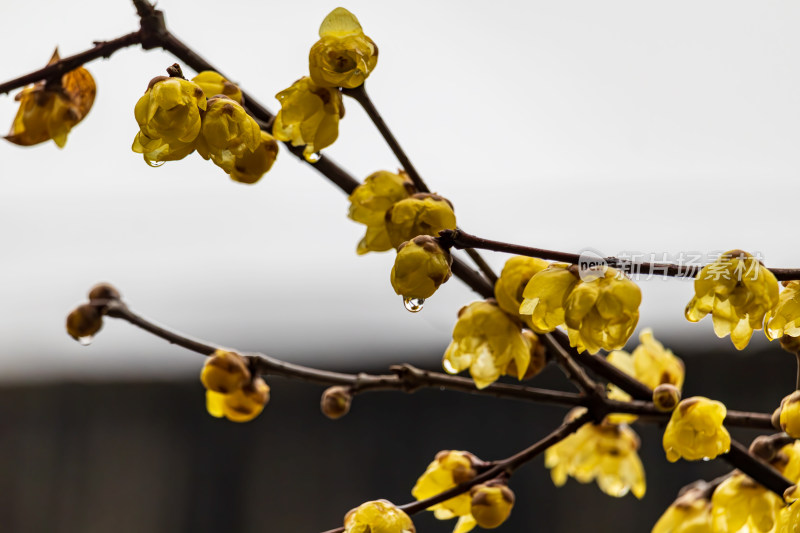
(414, 304)
(313, 158)
(155, 163)
(86, 341)
(448, 367)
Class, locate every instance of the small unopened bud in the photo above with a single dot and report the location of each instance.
(335, 402)
(768, 447)
(84, 322)
(666, 397)
(790, 344)
(225, 372)
(491, 503)
(776, 419)
(790, 414)
(104, 291)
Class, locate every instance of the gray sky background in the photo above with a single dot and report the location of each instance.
(619, 125)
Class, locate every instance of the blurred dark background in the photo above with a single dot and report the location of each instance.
(133, 457)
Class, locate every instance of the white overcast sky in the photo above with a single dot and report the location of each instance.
(618, 125)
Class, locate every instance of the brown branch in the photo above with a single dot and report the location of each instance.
(67, 64)
(503, 467)
(359, 94)
(460, 239)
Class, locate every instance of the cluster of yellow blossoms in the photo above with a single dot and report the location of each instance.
(599, 311)
(606, 453)
(231, 391)
(738, 291)
(311, 108)
(738, 504)
(379, 516)
(487, 504)
(177, 117)
(49, 110)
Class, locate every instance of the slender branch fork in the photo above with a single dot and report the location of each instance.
(154, 34)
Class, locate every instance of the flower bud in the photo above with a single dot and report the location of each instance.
(169, 119)
(244, 404)
(225, 372)
(420, 214)
(790, 414)
(379, 516)
(335, 402)
(491, 504)
(104, 291)
(250, 167)
(227, 133)
(213, 83)
(84, 322)
(421, 266)
(309, 116)
(666, 397)
(369, 203)
(344, 56)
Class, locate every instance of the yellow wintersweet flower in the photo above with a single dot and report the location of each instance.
(369, 203)
(695, 430)
(784, 319)
(449, 469)
(225, 372)
(50, 110)
(690, 513)
(228, 133)
(251, 166)
(309, 116)
(790, 414)
(738, 291)
(169, 119)
(491, 504)
(789, 517)
(650, 363)
(241, 405)
(603, 452)
(544, 296)
(516, 274)
(420, 214)
(486, 340)
(379, 516)
(421, 266)
(789, 462)
(602, 313)
(739, 501)
(344, 56)
(213, 83)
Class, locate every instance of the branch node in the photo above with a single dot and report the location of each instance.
(153, 28)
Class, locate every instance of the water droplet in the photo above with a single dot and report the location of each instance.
(706, 459)
(313, 158)
(414, 304)
(155, 163)
(85, 341)
(448, 367)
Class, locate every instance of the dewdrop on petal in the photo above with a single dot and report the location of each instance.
(379, 516)
(420, 268)
(695, 430)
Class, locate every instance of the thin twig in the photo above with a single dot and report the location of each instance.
(503, 467)
(481, 263)
(359, 94)
(461, 240)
